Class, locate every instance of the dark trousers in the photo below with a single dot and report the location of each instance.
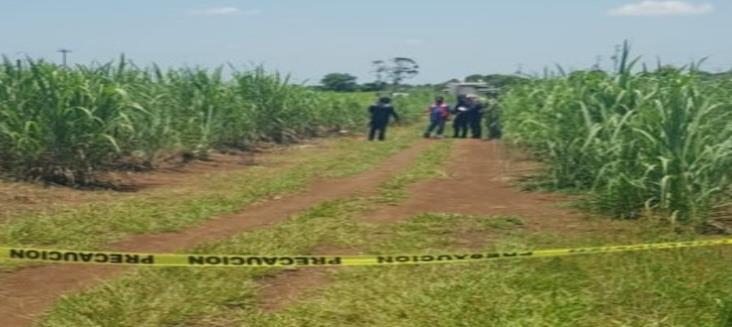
(435, 124)
(460, 126)
(476, 130)
(377, 128)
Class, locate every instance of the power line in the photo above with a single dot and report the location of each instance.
(63, 55)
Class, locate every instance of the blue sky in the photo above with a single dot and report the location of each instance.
(309, 38)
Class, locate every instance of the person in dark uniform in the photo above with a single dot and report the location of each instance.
(460, 124)
(475, 116)
(381, 113)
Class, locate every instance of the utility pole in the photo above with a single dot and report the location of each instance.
(63, 55)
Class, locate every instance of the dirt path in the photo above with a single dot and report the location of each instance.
(481, 182)
(26, 294)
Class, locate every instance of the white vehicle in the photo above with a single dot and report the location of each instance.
(470, 88)
(399, 94)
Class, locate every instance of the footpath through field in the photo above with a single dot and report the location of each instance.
(397, 207)
(478, 206)
(481, 180)
(28, 292)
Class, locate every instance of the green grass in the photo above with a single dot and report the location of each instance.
(159, 297)
(395, 189)
(92, 225)
(662, 288)
(173, 297)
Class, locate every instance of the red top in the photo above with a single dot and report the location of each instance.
(444, 110)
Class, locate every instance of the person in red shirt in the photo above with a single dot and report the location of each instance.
(439, 114)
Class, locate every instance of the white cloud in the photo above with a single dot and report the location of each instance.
(224, 11)
(661, 8)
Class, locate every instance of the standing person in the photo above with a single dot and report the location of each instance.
(380, 113)
(460, 124)
(439, 114)
(475, 116)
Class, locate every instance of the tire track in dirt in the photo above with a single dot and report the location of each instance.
(27, 293)
(481, 182)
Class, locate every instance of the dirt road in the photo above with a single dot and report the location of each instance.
(481, 181)
(27, 293)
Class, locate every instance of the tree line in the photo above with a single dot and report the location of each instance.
(393, 73)
(388, 73)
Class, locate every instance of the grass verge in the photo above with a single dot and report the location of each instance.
(91, 225)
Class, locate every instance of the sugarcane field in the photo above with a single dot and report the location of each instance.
(365, 163)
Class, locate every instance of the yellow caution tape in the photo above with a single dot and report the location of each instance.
(216, 260)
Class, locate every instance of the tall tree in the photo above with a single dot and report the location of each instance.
(340, 82)
(395, 70)
(401, 69)
(380, 69)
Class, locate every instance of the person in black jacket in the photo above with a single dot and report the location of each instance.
(381, 112)
(460, 124)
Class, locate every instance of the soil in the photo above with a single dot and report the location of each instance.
(28, 293)
(482, 180)
(289, 286)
